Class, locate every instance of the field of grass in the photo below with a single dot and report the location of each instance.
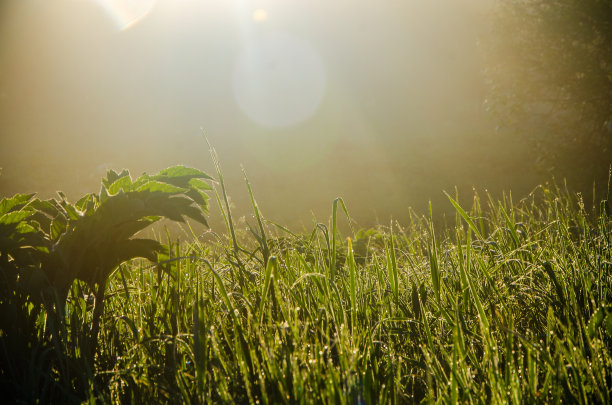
(510, 302)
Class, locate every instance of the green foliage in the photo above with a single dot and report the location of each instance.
(549, 67)
(94, 241)
(46, 245)
(89, 239)
(511, 304)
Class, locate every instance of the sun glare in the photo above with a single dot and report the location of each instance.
(126, 13)
(260, 15)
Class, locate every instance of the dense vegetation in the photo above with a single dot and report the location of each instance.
(549, 74)
(509, 303)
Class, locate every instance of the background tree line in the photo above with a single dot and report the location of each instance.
(549, 77)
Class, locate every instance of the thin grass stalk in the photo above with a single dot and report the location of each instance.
(352, 283)
(262, 237)
(268, 281)
(433, 258)
(465, 216)
(392, 266)
(334, 232)
(332, 260)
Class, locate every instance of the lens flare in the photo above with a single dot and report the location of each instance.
(126, 13)
(278, 80)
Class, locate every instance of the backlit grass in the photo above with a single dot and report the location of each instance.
(509, 303)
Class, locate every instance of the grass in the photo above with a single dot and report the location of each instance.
(510, 304)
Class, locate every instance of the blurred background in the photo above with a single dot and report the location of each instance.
(385, 104)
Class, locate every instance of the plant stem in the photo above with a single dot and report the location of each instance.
(95, 325)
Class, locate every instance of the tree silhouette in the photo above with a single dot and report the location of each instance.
(549, 70)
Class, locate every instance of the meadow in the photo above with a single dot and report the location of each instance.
(506, 302)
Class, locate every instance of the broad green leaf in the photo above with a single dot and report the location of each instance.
(73, 213)
(158, 186)
(133, 248)
(15, 217)
(171, 208)
(49, 207)
(198, 197)
(112, 176)
(103, 196)
(86, 203)
(123, 183)
(199, 184)
(15, 202)
(24, 227)
(182, 171)
(126, 230)
(43, 221)
(60, 211)
(195, 214)
(120, 208)
(58, 227)
(145, 178)
(180, 176)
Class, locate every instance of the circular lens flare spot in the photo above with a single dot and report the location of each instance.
(278, 80)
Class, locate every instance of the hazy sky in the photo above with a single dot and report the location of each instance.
(366, 100)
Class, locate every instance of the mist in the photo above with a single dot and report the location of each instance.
(378, 103)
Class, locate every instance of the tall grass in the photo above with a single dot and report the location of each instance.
(511, 304)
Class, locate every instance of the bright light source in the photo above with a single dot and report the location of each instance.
(260, 15)
(126, 13)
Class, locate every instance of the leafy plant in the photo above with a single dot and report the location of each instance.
(45, 245)
(510, 304)
(92, 237)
